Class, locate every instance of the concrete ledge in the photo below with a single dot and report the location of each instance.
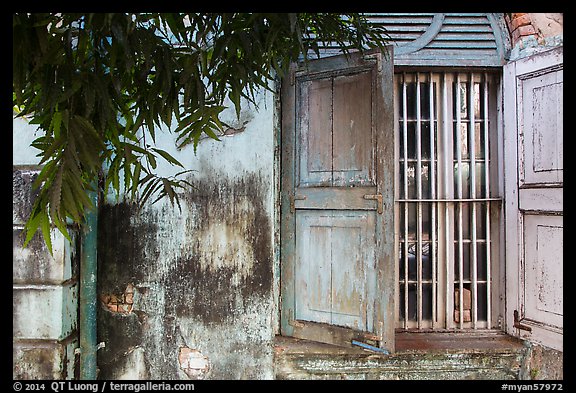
(44, 311)
(498, 357)
(44, 359)
(35, 265)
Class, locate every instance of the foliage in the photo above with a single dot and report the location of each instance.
(99, 86)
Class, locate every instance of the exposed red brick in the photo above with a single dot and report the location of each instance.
(521, 21)
(194, 364)
(121, 303)
(526, 30)
(519, 25)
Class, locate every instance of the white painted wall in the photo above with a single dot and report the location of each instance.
(23, 134)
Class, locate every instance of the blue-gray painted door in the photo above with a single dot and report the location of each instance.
(337, 206)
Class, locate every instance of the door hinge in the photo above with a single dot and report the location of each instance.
(377, 197)
(293, 200)
(519, 325)
(295, 323)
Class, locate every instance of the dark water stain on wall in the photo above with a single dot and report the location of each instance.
(207, 264)
(231, 251)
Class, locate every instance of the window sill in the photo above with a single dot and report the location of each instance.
(487, 355)
(409, 342)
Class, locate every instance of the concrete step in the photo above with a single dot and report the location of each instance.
(443, 356)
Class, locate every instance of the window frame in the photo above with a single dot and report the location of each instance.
(442, 319)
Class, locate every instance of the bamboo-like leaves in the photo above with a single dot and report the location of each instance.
(100, 85)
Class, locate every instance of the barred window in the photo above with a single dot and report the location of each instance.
(447, 200)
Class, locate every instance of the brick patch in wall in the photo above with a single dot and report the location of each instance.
(526, 30)
(521, 21)
(194, 364)
(520, 25)
(119, 303)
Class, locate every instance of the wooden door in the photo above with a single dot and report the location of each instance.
(533, 143)
(337, 201)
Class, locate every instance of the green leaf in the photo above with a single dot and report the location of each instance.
(127, 175)
(150, 189)
(168, 157)
(79, 191)
(168, 189)
(51, 151)
(31, 226)
(45, 227)
(98, 85)
(70, 203)
(56, 194)
(136, 179)
(151, 160)
(46, 174)
(136, 148)
(208, 131)
(56, 122)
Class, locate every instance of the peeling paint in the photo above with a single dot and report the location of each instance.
(23, 195)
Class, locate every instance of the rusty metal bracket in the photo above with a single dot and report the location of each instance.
(377, 197)
(519, 325)
(294, 198)
(295, 323)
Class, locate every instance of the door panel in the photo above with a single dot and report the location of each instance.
(334, 115)
(337, 202)
(543, 273)
(542, 129)
(335, 256)
(352, 153)
(533, 169)
(315, 127)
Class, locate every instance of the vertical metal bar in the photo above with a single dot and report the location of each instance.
(88, 295)
(473, 260)
(448, 176)
(487, 195)
(419, 197)
(459, 205)
(405, 140)
(433, 205)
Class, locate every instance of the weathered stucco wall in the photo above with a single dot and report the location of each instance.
(190, 294)
(542, 363)
(44, 286)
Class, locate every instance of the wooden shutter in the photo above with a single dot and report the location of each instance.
(337, 235)
(533, 143)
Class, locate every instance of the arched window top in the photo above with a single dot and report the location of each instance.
(434, 39)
